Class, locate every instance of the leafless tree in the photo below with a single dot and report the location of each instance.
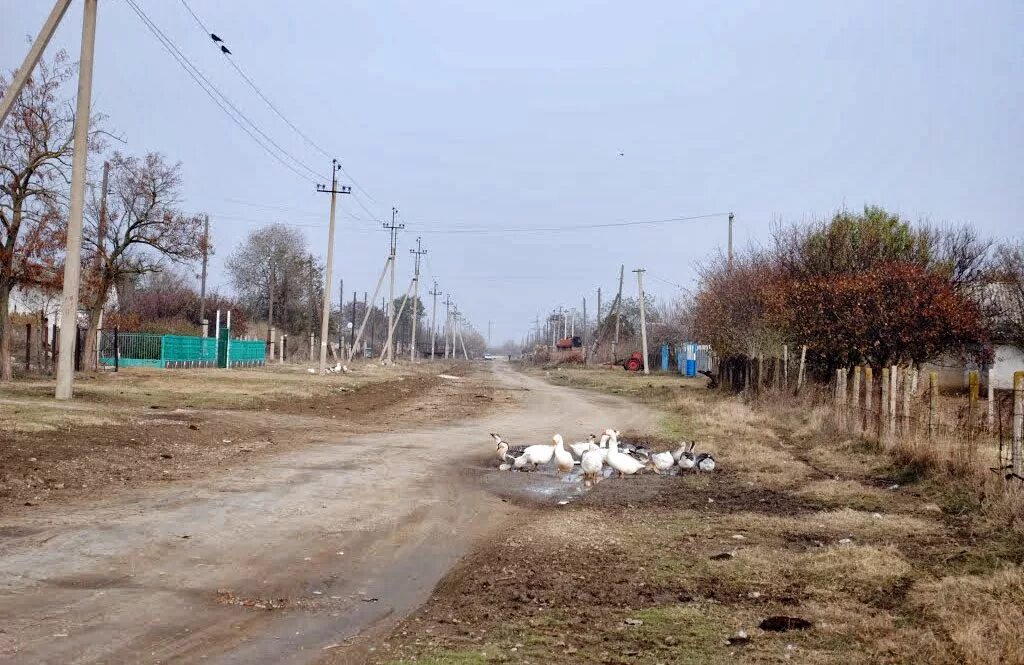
(144, 228)
(35, 160)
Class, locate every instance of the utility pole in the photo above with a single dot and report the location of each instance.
(489, 323)
(433, 320)
(584, 347)
(618, 311)
(731, 217)
(394, 229)
(643, 316)
(206, 255)
(73, 249)
(418, 252)
(22, 75)
(352, 330)
(325, 316)
(447, 322)
(341, 316)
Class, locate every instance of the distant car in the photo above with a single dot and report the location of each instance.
(488, 356)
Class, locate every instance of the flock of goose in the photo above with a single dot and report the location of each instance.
(592, 456)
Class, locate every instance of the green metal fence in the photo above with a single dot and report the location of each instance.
(179, 351)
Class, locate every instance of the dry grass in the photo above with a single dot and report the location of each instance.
(109, 398)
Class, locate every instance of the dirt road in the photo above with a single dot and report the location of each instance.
(285, 561)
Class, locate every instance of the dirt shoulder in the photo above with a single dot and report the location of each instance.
(140, 427)
(803, 547)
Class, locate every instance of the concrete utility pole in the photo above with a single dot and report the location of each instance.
(643, 316)
(325, 316)
(32, 57)
(447, 322)
(731, 217)
(433, 320)
(618, 312)
(418, 252)
(206, 257)
(73, 250)
(394, 229)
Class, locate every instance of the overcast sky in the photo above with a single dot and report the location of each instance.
(512, 116)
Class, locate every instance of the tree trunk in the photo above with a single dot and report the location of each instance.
(6, 371)
(95, 313)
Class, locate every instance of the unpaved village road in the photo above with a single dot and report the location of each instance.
(341, 540)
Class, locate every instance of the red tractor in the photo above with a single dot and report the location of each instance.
(634, 363)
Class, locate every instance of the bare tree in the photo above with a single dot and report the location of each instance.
(143, 229)
(271, 273)
(35, 159)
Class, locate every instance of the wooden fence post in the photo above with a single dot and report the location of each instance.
(855, 404)
(803, 365)
(1018, 423)
(972, 404)
(883, 403)
(933, 404)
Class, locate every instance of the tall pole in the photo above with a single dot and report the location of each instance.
(206, 254)
(325, 315)
(393, 228)
(489, 324)
(32, 57)
(447, 322)
(418, 252)
(341, 316)
(352, 330)
(618, 312)
(73, 251)
(433, 321)
(731, 217)
(643, 316)
(584, 347)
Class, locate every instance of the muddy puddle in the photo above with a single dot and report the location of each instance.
(542, 487)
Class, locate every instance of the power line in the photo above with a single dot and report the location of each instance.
(274, 108)
(210, 89)
(572, 227)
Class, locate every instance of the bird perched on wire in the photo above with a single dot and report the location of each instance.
(220, 42)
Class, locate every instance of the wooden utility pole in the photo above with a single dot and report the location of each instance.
(73, 249)
(206, 257)
(418, 252)
(393, 229)
(325, 315)
(643, 317)
(433, 320)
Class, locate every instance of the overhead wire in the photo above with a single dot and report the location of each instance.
(252, 84)
(212, 90)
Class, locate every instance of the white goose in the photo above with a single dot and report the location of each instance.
(592, 462)
(536, 455)
(504, 451)
(662, 461)
(621, 462)
(583, 446)
(563, 458)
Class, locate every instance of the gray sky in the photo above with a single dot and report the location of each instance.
(512, 115)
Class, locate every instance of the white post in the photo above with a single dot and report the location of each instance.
(216, 326)
(1018, 422)
(280, 354)
(73, 246)
(227, 343)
